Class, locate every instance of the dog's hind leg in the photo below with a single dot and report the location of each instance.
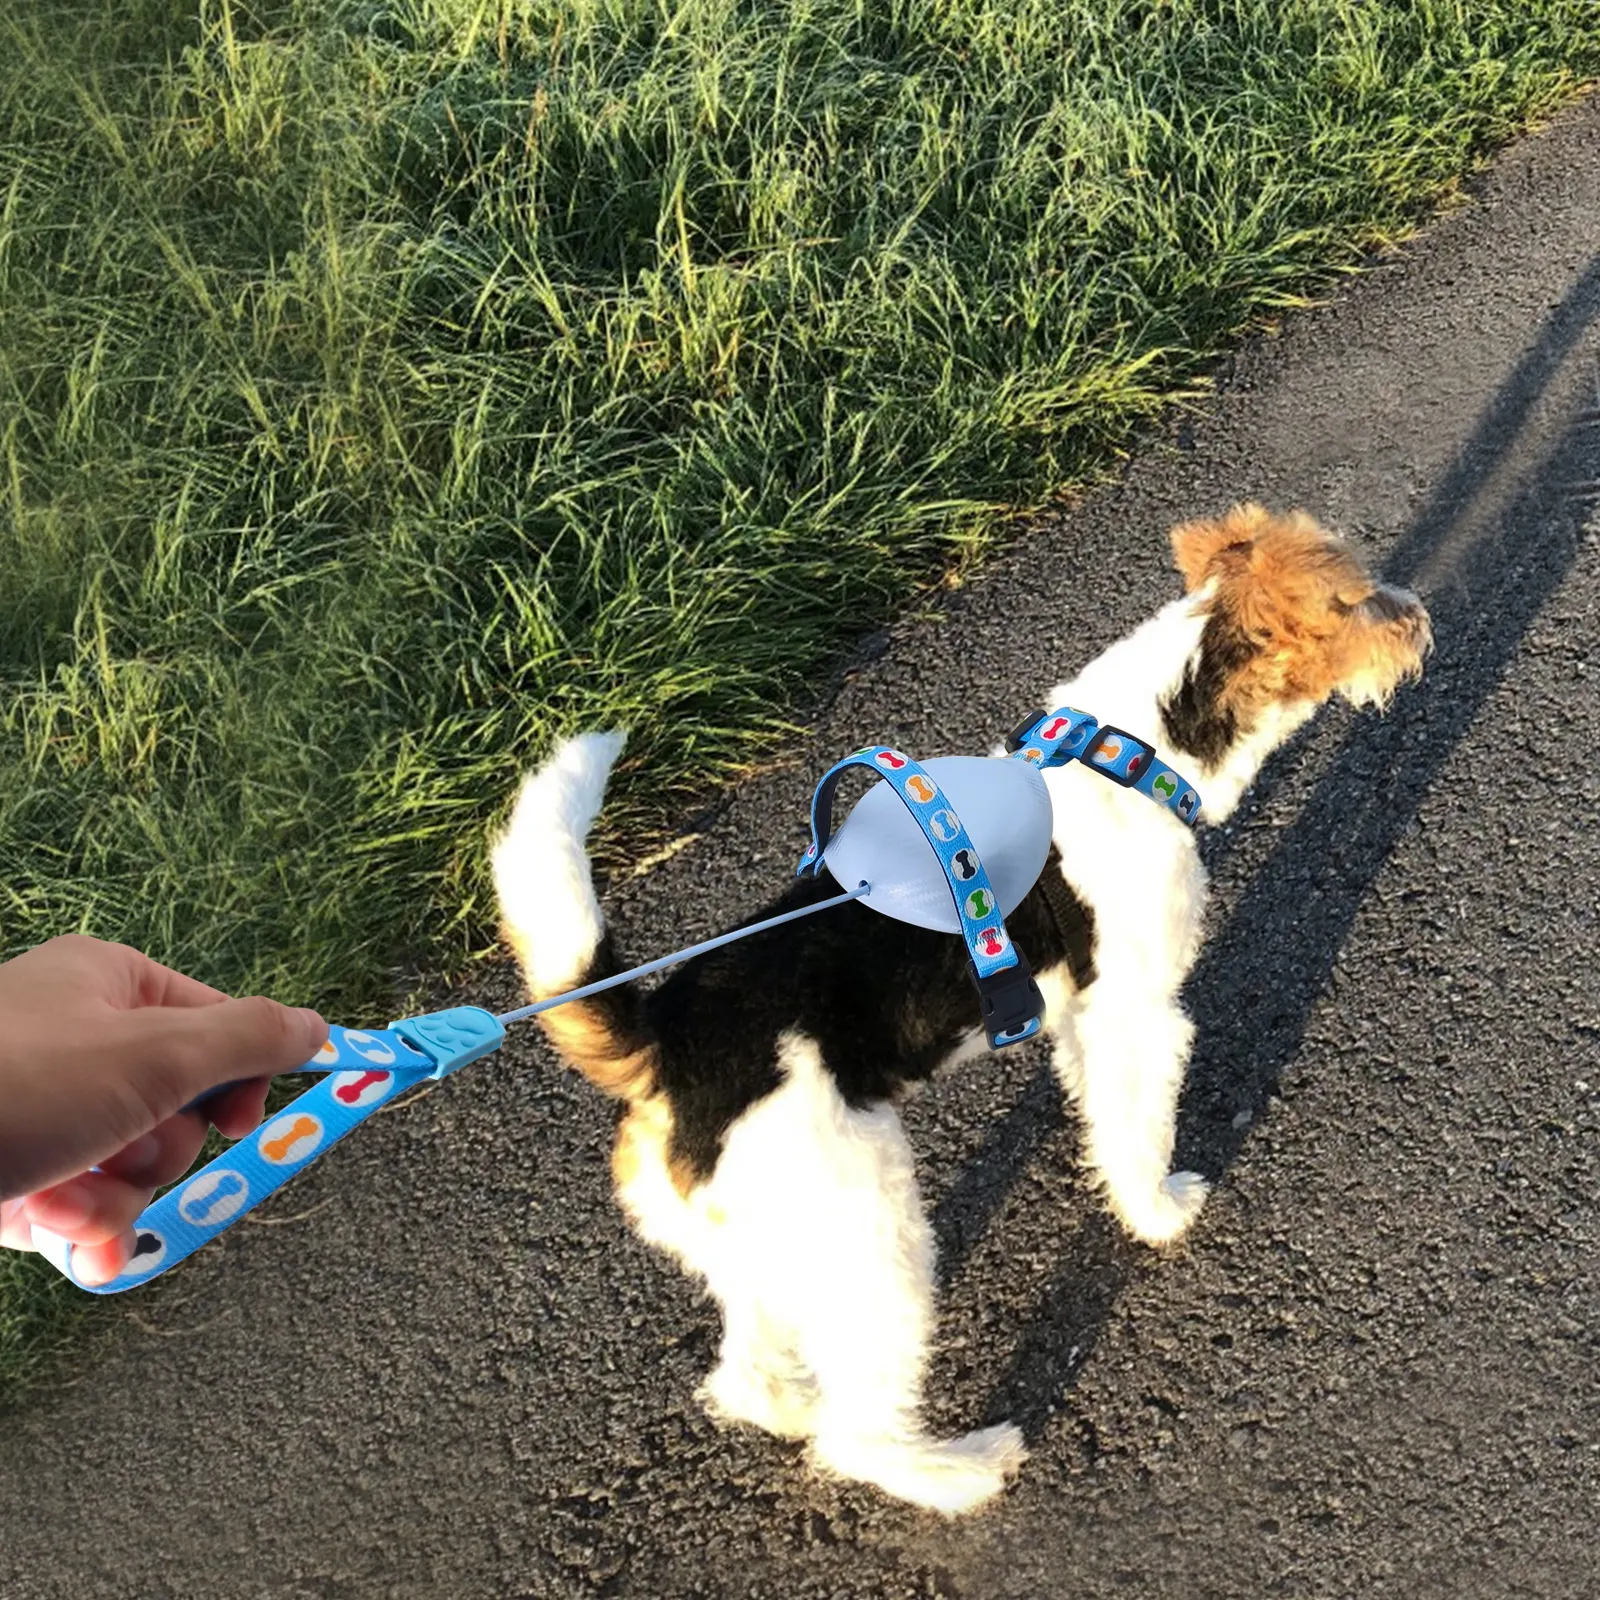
(865, 1336)
(760, 1378)
(1133, 1049)
(824, 1230)
(869, 1430)
(864, 1330)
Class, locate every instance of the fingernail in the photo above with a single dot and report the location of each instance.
(65, 1209)
(58, 1252)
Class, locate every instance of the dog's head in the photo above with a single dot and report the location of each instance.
(1293, 617)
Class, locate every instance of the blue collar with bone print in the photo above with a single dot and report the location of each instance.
(1053, 738)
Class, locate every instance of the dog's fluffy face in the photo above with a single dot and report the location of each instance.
(1295, 615)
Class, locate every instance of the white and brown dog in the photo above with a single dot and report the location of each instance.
(760, 1143)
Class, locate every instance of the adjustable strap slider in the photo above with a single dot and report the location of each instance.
(1118, 755)
(1020, 734)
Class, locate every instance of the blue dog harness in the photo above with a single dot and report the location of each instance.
(1011, 1004)
(365, 1069)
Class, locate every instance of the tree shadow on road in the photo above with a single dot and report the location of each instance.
(1490, 547)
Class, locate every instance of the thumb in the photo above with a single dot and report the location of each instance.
(180, 1052)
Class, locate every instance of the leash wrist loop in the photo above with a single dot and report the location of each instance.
(363, 1069)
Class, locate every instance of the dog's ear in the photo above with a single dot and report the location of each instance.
(1208, 546)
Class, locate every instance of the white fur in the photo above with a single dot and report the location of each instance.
(812, 1237)
(810, 1233)
(1122, 1046)
(541, 870)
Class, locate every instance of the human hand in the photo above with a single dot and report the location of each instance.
(101, 1048)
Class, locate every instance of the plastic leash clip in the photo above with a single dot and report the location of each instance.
(1011, 1003)
(363, 1070)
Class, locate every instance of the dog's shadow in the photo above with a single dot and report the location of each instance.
(1291, 919)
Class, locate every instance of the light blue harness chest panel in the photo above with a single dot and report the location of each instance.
(1010, 1003)
(1004, 816)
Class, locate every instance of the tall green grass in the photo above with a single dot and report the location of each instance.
(389, 385)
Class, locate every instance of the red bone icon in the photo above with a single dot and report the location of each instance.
(351, 1093)
(992, 942)
(1055, 727)
(890, 758)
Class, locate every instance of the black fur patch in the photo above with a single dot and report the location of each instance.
(1195, 719)
(1073, 919)
(886, 1002)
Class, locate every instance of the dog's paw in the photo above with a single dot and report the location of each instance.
(1165, 1214)
(734, 1393)
(952, 1476)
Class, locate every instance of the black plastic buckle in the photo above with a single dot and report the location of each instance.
(1008, 999)
(1019, 735)
(1135, 771)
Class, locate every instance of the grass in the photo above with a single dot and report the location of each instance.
(388, 386)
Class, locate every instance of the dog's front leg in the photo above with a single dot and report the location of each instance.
(1133, 1047)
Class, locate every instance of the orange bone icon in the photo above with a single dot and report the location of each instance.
(278, 1149)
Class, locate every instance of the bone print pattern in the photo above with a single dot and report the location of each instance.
(361, 1088)
(363, 1068)
(290, 1139)
(988, 947)
(213, 1197)
(1066, 735)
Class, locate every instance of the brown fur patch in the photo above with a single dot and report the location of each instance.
(644, 1136)
(588, 1035)
(1315, 621)
(584, 1034)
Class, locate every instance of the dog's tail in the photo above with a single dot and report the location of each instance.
(552, 919)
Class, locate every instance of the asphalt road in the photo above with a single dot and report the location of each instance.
(440, 1366)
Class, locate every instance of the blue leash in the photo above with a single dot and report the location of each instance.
(364, 1069)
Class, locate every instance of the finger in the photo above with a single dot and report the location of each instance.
(94, 1264)
(163, 1155)
(175, 1054)
(73, 969)
(92, 1209)
(16, 1232)
(79, 970)
(238, 1110)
